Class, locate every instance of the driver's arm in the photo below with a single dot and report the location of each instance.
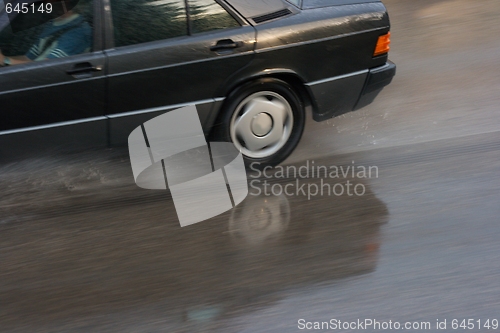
(16, 60)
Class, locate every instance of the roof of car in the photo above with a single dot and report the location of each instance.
(252, 8)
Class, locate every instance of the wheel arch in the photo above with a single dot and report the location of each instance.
(289, 76)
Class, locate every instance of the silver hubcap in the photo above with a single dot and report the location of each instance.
(261, 124)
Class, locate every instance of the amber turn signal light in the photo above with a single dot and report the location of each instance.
(383, 44)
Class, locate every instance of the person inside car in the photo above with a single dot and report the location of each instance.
(67, 35)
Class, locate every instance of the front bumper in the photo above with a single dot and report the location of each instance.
(376, 80)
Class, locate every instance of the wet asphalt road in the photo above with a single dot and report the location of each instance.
(82, 249)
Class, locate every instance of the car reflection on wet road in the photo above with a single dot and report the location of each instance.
(66, 267)
(113, 258)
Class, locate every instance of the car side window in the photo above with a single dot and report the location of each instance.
(33, 37)
(141, 21)
(207, 15)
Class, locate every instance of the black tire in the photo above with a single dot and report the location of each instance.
(249, 99)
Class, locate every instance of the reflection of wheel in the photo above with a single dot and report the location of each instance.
(259, 219)
(264, 119)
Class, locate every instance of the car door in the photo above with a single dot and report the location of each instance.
(166, 55)
(56, 93)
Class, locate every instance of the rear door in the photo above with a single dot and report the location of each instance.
(166, 55)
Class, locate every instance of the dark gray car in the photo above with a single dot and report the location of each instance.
(251, 67)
